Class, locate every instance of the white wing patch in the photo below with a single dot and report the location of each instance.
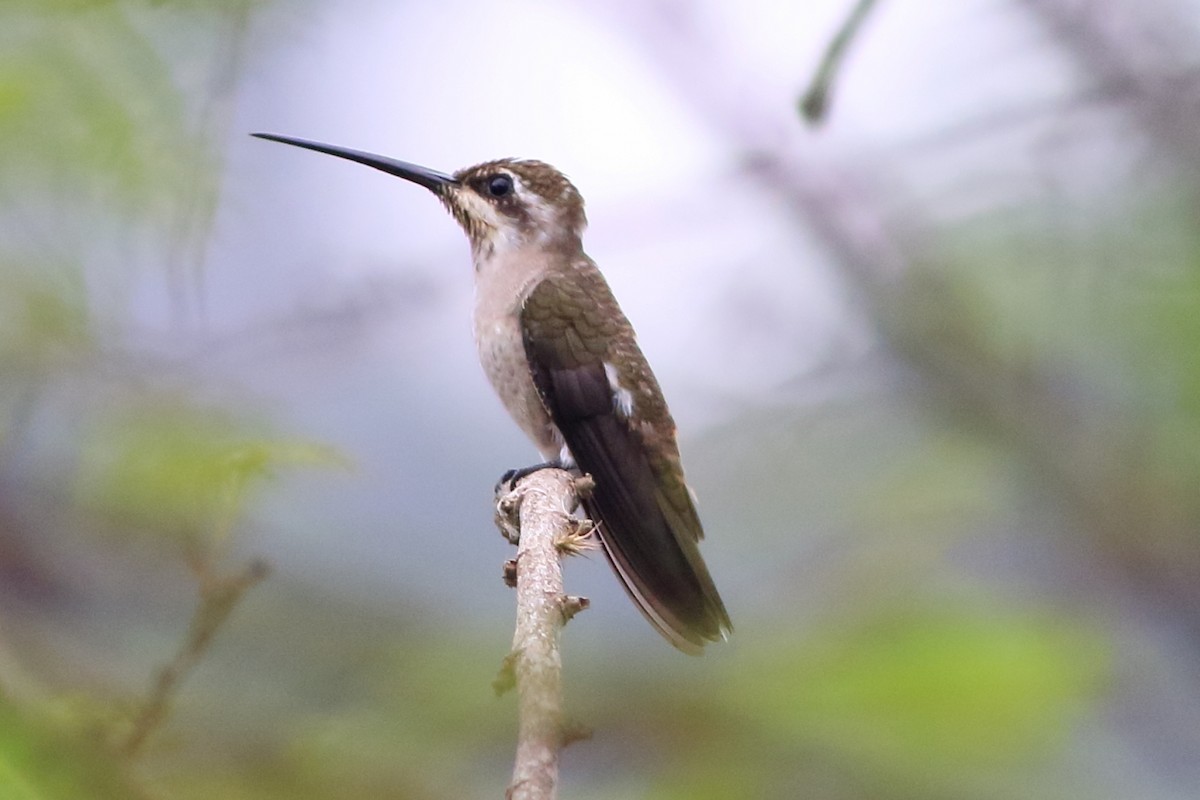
(565, 459)
(622, 397)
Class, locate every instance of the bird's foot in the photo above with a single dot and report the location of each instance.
(507, 502)
(508, 481)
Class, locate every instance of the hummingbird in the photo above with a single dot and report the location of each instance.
(566, 364)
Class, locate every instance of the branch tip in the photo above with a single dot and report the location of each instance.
(583, 486)
(570, 605)
(573, 731)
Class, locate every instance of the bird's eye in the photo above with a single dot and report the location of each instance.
(500, 185)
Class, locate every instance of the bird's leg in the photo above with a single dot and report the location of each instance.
(510, 478)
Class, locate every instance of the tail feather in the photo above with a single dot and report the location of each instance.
(664, 599)
(660, 567)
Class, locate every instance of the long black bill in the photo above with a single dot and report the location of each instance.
(429, 178)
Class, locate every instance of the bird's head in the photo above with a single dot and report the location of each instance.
(502, 205)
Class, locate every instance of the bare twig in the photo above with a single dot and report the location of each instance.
(815, 100)
(218, 597)
(537, 515)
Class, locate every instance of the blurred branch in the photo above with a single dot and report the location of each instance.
(1142, 56)
(814, 103)
(194, 216)
(537, 516)
(218, 597)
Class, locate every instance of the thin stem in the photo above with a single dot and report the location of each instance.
(218, 597)
(815, 101)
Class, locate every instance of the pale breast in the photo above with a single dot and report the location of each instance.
(501, 286)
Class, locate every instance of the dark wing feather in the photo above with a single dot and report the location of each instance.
(646, 520)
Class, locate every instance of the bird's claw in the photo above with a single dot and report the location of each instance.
(508, 481)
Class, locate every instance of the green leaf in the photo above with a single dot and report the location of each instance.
(930, 697)
(185, 470)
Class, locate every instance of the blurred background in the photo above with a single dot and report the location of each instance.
(935, 359)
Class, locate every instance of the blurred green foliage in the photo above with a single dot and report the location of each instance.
(90, 112)
(1086, 367)
(170, 467)
(45, 759)
(44, 317)
(932, 699)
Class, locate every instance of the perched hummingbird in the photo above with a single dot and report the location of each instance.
(566, 363)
